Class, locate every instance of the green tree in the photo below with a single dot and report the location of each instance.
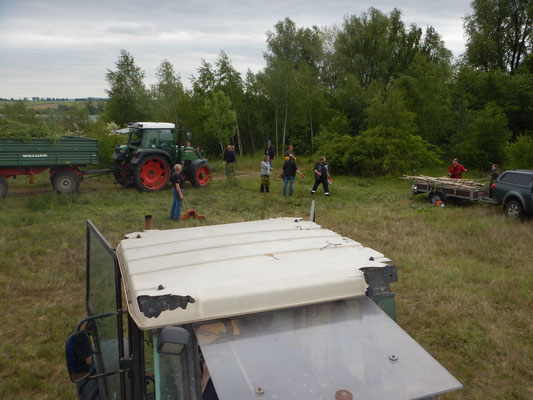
(389, 145)
(499, 33)
(168, 94)
(219, 118)
(229, 81)
(487, 138)
(129, 99)
(520, 153)
(76, 121)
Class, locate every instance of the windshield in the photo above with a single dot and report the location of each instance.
(317, 352)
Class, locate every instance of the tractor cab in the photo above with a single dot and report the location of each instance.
(272, 309)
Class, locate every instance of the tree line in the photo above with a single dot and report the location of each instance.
(375, 96)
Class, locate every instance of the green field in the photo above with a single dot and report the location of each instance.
(465, 271)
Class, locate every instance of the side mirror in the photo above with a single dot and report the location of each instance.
(172, 340)
(79, 356)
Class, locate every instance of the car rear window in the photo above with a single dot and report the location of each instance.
(519, 179)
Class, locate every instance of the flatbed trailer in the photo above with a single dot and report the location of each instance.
(64, 157)
(443, 188)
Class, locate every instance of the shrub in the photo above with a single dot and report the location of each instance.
(520, 153)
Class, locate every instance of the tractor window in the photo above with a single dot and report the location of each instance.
(166, 138)
(149, 139)
(135, 137)
(103, 296)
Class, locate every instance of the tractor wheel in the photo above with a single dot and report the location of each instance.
(152, 174)
(436, 196)
(514, 209)
(66, 182)
(3, 187)
(201, 173)
(120, 172)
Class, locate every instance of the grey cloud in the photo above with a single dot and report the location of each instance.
(70, 45)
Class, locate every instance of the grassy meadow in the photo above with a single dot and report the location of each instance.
(465, 289)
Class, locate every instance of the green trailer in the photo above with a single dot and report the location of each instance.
(63, 157)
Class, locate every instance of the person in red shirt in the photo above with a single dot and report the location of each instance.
(456, 170)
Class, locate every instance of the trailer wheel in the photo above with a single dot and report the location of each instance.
(436, 196)
(201, 173)
(514, 209)
(3, 187)
(65, 182)
(152, 173)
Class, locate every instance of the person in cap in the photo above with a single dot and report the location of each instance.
(269, 151)
(456, 170)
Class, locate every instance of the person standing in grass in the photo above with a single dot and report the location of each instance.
(229, 160)
(269, 151)
(456, 170)
(177, 184)
(266, 169)
(289, 173)
(321, 176)
(289, 152)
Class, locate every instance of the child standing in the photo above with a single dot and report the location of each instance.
(177, 182)
(266, 169)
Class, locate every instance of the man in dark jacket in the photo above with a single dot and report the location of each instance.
(321, 176)
(229, 160)
(289, 173)
(269, 151)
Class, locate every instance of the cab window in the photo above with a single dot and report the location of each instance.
(149, 139)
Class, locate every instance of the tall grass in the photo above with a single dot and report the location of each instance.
(465, 271)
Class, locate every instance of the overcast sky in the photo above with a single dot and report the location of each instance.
(63, 48)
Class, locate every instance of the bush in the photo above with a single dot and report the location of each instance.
(486, 141)
(378, 151)
(108, 139)
(520, 153)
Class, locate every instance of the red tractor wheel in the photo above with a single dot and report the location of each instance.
(201, 174)
(152, 174)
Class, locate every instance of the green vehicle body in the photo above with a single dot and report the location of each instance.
(153, 149)
(64, 158)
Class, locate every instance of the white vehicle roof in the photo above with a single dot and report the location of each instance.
(151, 125)
(240, 268)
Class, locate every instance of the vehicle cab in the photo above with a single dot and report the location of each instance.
(272, 309)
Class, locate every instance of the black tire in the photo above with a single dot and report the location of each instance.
(152, 174)
(436, 196)
(200, 173)
(65, 182)
(3, 187)
(119, 172)
(514, 209)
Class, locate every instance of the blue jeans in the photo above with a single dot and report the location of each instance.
(176, 205)
(290, 181)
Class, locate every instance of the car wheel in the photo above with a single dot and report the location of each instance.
(514, 209)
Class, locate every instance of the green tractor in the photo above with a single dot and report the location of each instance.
(153, 149)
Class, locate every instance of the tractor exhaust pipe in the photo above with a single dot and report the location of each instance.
(147, 222)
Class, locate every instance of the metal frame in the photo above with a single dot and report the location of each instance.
(118, 298)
